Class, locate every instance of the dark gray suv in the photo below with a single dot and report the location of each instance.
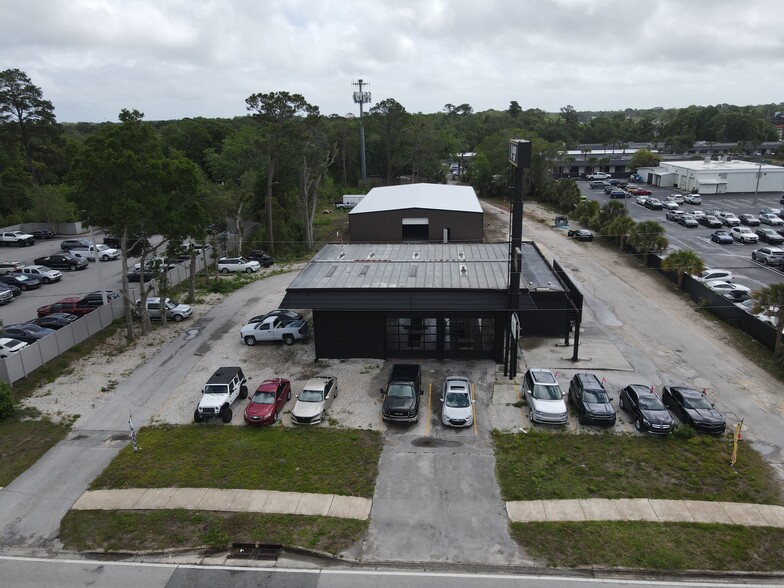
(590, 399)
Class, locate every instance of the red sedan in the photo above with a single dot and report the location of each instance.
(268, 401)
(641, 192)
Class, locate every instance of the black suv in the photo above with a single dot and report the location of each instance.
(264, 258)
(590, 399)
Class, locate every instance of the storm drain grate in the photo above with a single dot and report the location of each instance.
(255, 551)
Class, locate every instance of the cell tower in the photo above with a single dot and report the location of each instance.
(361, 98)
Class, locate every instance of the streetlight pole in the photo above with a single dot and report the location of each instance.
(361, 98)
(756, 188)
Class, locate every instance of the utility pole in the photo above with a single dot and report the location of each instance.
(756, 188)
(361, 98)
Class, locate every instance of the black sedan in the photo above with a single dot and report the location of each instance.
(149, 274)
(96, 299)
(286, 316)
(580, 234)
(769, 236)
(722, 237)
(21, 281)
(54, 321)
(42, 234)
(710, 221)
(647, 410)
(694, 409)
(25, 332)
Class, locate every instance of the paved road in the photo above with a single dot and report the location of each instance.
(32, 506)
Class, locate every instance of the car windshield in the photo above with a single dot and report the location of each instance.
(171, 304)
(264, 397)
(400, 391)
(215, 389)
(311, 396)
(457, 400)
(651, 403)
(595, 396)
(696, 402)
(242, 260)
(541, 392)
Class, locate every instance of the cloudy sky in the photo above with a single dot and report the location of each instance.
(176, 58)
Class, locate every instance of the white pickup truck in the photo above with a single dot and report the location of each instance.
(274, 329)
(105, 253)
(17, 238)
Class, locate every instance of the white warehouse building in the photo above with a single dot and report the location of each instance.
(715, 177)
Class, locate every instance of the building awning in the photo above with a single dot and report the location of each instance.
(664, 173)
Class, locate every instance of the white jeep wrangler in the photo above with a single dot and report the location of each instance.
(221, 390)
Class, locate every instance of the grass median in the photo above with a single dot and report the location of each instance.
(320, 460)
(544, 465)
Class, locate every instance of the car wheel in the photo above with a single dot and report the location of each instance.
(177, 318)
(226, 414)
(765, 261)
(23, 288)
(72, 267)
(288, 339)
(580, 418)
(225, 270)
(638, 424)
(243, 392)
(531, 416)
(104, 258)
(46, 281)
(248, 270)
(620, 402)
(288, 396)
(323, 416)
(250, 341)
(197, 418)
(275, 417)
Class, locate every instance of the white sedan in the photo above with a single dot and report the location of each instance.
(10, 346)
(770, 219)
(722, 287)
(641, 200)
(457, 405)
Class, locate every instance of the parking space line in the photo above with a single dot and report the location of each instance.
(429, 396)
(473, 406)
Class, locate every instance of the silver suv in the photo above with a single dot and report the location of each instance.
(174, 311)
(768, 255)
(544, 397)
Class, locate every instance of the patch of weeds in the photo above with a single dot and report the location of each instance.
(519, 404)
(110, 385)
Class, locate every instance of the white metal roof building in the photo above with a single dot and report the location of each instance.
(417, 212)
(715, 176)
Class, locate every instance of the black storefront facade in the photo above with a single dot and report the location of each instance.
(394, 300)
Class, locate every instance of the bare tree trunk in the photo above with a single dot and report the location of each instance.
(127, 302)
(270, 174)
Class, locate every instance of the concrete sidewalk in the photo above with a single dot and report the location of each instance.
(645, 509)
(262, 501)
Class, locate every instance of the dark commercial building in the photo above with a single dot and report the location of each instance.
(417, 213)
(426, 299)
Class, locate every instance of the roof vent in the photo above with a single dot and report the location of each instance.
(342, 255)
(371, 255)
(412, 271)
(461, 255)
(463, 270)
(364, 270)
(415, 255)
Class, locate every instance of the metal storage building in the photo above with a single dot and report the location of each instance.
(426, 299)
(417, 213)
(715, 176)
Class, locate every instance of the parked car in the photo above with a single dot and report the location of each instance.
(401, 397)
(54, 321)
(619, 193)
(591, 401)
(174, 310)
(272, 329)
(68, 244)
(596, 184)
(695, 199)
(641, 192)
(749, 220)
(694, 409)
(770, 219)
(268, 401)
(672, 215)
(71, 305)
(225, 386)
(45, 274)
(264, 258)
(728, 219)
(14, 290)
(769, 236)
(135, 275)
(770, 210)
(100, 251)
(25, 332)
(286, 316)
(676, 198)
(670, 205)
(457, 403)
(722, 237)
(653, 204)
(17, 238)
(580, 234)
(687, 221)
(544, 397)
(646, 409)
(744, 235)
(723, 287)
(314, 400)
(709, 221)
(737, 295)
(95, 298)
(62, 261)
(768, 255)
(11, 267)
(598, 176)
(237, 264)
(21, 281)
(641, 200)
(715, 274)
(9, 346)
(698, 214)
(42, 234)
(608, 187)
(6, 294)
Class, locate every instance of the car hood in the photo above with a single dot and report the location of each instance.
(705, 415)
(600, 408)
(257, 409)
(213, 400)
(398, 403)
(657, 417)
(549, 406)
(307, 409)
(458, 413)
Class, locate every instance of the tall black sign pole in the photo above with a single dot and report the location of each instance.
(520, 157)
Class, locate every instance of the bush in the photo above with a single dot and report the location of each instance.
(7, 407)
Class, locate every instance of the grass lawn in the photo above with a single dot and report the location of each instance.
(321, 460)
(653, 546)
(23, 442)
(542, 465)
(92, 530)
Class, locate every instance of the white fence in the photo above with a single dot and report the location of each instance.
(29, 359)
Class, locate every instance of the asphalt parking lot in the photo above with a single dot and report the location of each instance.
(735, 257)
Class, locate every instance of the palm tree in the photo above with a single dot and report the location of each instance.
(648, 237)
(609, 212)
(682, 262)
(620, 227)
(772, 297)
